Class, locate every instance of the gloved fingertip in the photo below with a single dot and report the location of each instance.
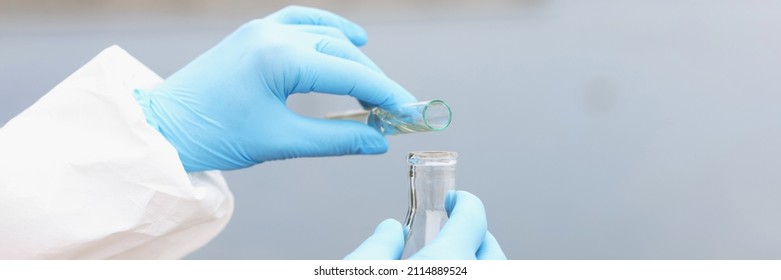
(353, 31)
(466, 225)
(392, 232)
(388, 225)
(386, 243)
(452, 198)
(295, 14)
(450, 201)
(358, 35)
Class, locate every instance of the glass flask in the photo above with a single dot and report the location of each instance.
(432, 115)
(432, 175)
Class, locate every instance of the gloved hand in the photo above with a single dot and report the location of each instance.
(226, 109)
(464, 236)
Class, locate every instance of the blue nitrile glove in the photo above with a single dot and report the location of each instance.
(464, 236)
(226, 109)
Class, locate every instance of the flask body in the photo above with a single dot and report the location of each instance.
(431, 178)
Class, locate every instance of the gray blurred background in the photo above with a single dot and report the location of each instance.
(590, 129)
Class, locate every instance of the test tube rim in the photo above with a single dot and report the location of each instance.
(449, 116)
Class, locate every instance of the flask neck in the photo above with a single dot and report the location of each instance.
(431, 178)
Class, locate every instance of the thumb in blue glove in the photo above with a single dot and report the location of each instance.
(464, 236)
(387, 243)
(226, 109)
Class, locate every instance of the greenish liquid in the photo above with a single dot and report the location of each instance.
(390, 124)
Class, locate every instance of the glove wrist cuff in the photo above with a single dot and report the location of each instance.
(158, 119)
(145, 103)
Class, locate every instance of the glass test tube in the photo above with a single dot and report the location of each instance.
(432, 177)
(432, 115)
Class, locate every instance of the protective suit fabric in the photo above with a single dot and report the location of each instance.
(85, 177)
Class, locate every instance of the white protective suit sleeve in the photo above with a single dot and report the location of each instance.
(85, 177)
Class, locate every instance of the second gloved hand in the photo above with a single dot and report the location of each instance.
(226, 109)
(464, 236)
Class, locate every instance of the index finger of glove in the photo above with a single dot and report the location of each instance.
(467, 224)
(335, 75)
(313, 16)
